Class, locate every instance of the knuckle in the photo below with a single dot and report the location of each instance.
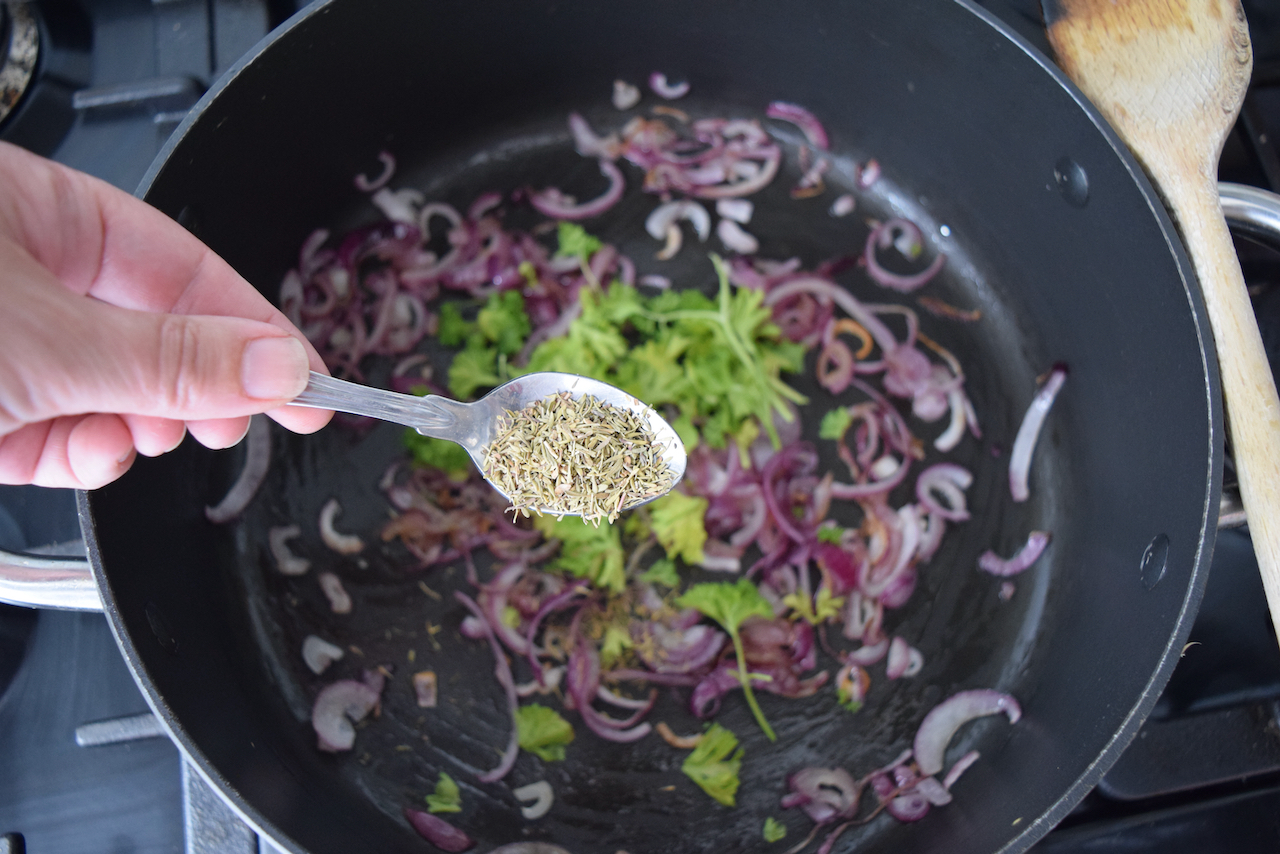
(179, 368)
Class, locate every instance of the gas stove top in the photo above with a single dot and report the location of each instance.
(84, 767)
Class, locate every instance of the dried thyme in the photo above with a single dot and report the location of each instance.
(578, 457)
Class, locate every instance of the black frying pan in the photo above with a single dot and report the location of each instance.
(974, 130)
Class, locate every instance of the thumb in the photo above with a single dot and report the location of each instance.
(67, 354)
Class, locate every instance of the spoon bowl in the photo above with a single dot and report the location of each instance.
(475, 425)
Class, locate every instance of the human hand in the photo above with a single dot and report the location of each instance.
(121, 332)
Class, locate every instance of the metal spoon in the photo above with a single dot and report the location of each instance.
(474, 425)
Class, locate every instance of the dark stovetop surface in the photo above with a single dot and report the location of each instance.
(1202, 776)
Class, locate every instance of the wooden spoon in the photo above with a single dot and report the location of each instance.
(1170, 76)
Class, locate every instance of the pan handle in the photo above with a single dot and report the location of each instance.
(61, 582)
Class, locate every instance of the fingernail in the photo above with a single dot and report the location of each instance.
(274, 368)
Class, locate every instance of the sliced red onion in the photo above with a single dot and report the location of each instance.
(828, 290)
(738, 210)
(955, 429)
(899, 658)
(286, 561)
(540, 793)
(336, 707)
(622, 702)
(843, 205)
(931, 536)
(910, 806)
(887, 234)
(811, 183)
(1029, 432)
(868, 173)
(587, 143)
(555, 204)
(625, 96)
(398, 205)
(801, 118)
(852, 684)
(1035, 545)
(344, 544)
(1007, 589)
(658, 83)
(934, 791)
(944, 719)
(367, 185)
(319, 653)
(653, 280)
(865, 656)
(754, 175)
(735, 238)
(825, 794)
(582, 681)
(664, 216)
(962, 765)
(502, 671)
(437, 831)
(885, 467)
(424, 688)
(339, 599)
(550, 677)
(949, 481)
(257, 459)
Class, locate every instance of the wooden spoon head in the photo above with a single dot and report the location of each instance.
(1165, 73)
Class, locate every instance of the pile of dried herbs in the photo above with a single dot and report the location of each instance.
(580, 457)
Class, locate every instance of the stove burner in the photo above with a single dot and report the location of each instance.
(18, 61)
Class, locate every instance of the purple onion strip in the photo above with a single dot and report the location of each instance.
(1025, 442)
(944, 719)
(437, 831)
(801, 118)
(368, 185)
(881, 237)
(1035, 545)
(257, 459)
(555, 204)
(502, 670)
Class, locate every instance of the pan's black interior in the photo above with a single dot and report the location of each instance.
(970, 129)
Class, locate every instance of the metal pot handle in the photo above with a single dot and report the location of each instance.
(60, 581)
(66, 583)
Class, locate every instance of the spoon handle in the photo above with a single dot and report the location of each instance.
(432, 412)
(1248, 390)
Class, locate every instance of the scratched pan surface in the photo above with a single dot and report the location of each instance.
(969, 126)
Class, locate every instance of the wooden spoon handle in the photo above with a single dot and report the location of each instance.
(1248, 388)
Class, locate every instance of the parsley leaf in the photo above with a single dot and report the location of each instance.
(617, 640)
(504, 322)
(835, 423)
(446, 797)
(474, 368)
(542, 732)
(449, 457)
(818, 610)
(730, 605)
(452, 330)
(677, 521)
(587, 551)
(774, 830)
(662, 571)
(711, 766)
(575, 242)
(832, 534)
